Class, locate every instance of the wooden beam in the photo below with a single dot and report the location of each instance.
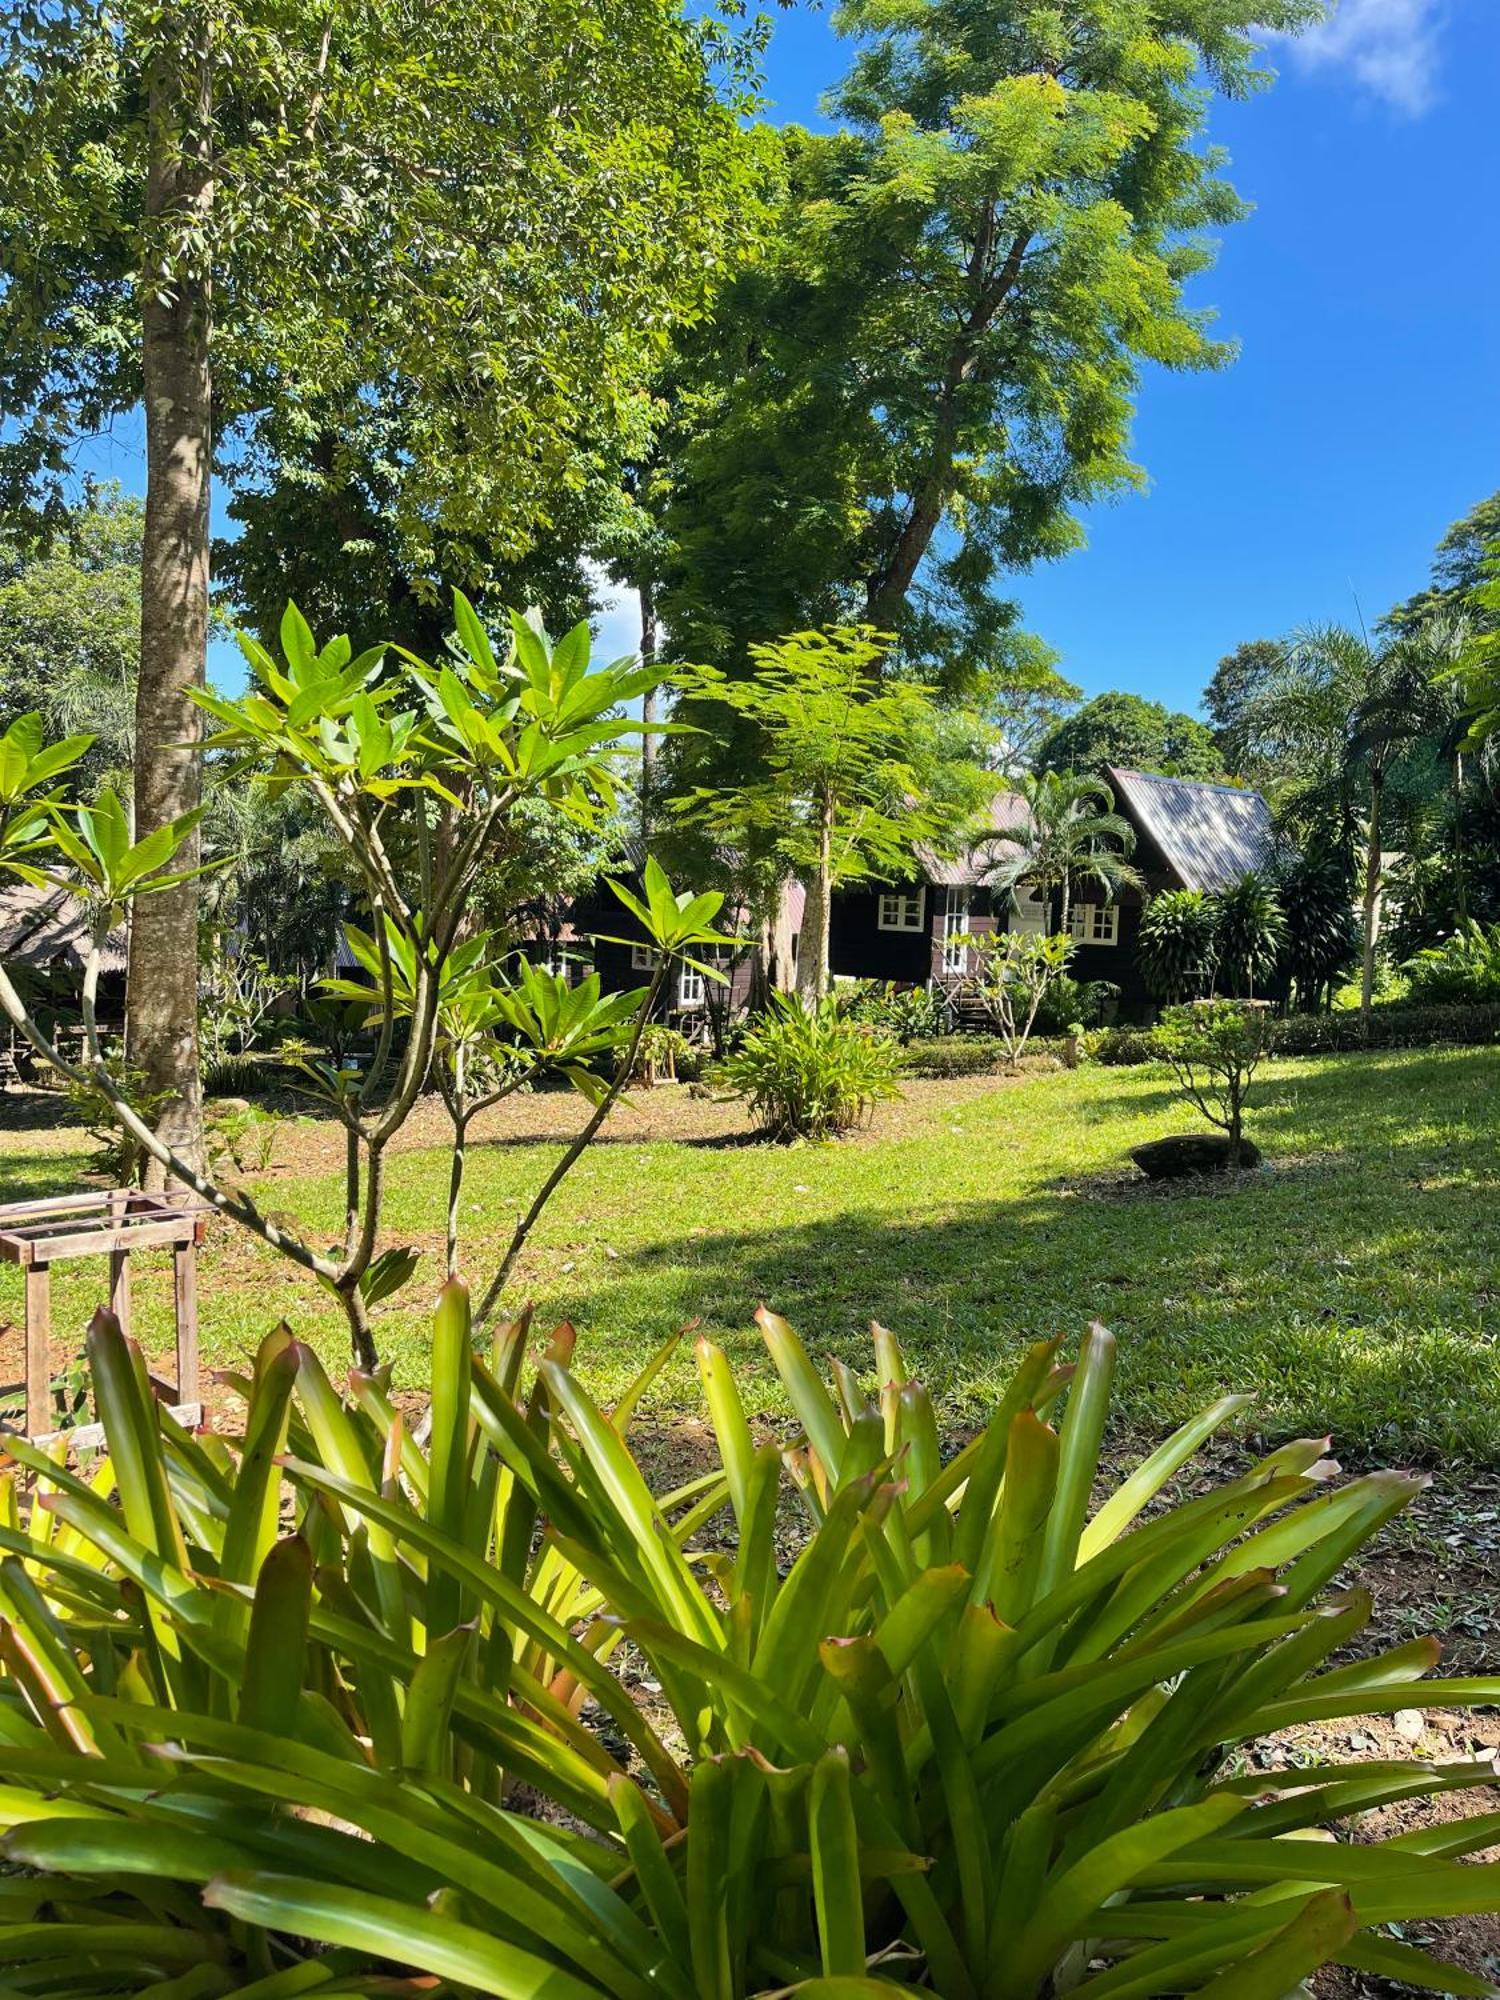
(185, 1307)
(38, 1347)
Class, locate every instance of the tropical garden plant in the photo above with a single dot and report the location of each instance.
(1250, 934)
(810, 1072)
(1214, 1048)
(1177, 946)
(1463, 968)
(415, 770)
(1016, 971)
(317, 1708)
(1071, 834)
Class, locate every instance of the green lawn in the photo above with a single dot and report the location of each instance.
(1355, 1286)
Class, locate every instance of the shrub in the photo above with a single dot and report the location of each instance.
(1177, 945)
(976, 1734)
(1215, 1048)
(1464, 969)
(242, 1139)
(1322, 931)
(1016, 971)
(1250, 934)
(808, 1073)
(1070, 1002)
(665, 1055)
(235, 1076)
(905, 1013)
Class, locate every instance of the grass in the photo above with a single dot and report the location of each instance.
(1355, 1286)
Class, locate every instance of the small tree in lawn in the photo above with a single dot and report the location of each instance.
(1016, 971)
(852, 769)
(1215, 1048)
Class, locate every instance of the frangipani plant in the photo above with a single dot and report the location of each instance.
(415, 769)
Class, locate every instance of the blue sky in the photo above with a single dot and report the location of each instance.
(1362, 415)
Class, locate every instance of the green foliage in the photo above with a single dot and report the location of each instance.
(905, 1013)
(1016, 970)
(243, 1138)
(1322, 932)
(1463, 970)
(235, 1076)
(1250, 934)
(934, 364)
(1237, 682)
(116, 1155)
(476, 227)
(665, 1055)
(1215, 1048)
(1133, 734)
(1071, 834)
(1070, 1002)
(70, 628)
(1177, 946)
(810, 1072)
(978, 1733)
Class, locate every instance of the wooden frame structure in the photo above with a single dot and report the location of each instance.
(38, 1234)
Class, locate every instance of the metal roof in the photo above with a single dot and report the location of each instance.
(974, 864)
(1210, 836)
(40, 925)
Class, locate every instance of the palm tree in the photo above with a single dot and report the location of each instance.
(1071, 833)
(1336, 722)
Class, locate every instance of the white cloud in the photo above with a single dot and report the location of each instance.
(1390, 48)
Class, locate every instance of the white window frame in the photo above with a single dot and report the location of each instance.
(642, 958)
(902, 910)
(1094, 923)
(1028, 912)
(692, 988)
(958, 900)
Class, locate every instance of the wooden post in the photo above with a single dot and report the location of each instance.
(185, 1305)
(38, 1348)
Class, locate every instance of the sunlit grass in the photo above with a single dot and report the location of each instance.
(1355, 1286)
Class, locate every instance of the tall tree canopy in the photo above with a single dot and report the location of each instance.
(938, 363)
(1236, 683)
(70, 627)
(1136, 734)
(241, 218)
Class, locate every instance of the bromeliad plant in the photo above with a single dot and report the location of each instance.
(417, 770)
(976, 1738)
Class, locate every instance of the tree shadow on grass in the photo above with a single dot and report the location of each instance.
(1340, 1308)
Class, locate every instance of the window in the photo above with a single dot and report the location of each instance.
(689, 987)
(955, 932)
(642, 958)
(902, 910)
(1029, 910)
(1095, 923)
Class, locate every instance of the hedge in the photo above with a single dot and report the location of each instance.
(1395, 1027)
(1400, 1026)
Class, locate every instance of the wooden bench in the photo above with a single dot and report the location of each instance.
(38, 1234)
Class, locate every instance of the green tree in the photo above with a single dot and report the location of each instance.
(1236, 681)
(1136, 735)
(70, 626)
(1460, 566)
(1347, 721)
(1071, 833)
(852, 771)
(935, 364)
(218, 212)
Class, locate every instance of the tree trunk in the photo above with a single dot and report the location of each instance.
(650, 708)
(161, 1008)
(812, 962)
(1371, 910)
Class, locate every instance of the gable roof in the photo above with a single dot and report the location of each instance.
(38, 926)
(972, 864)
(1210, 836)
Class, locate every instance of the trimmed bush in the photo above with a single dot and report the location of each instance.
(1402, 1027)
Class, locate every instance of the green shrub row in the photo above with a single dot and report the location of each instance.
(1402, 1027)
(971, 1055)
